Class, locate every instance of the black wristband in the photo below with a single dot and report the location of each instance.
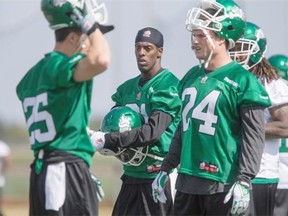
(106, 28)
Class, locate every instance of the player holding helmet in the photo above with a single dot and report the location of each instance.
(249, 52)
(56, 95)
(221, 137)
(121, 119)
(153, 94)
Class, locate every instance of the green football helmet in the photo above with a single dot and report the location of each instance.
(122, 119)
(224, 17)
(58, 12)
(251, 47)
(280, 65)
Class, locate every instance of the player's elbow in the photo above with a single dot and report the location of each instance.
(102, 63)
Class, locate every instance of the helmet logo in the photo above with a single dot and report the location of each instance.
(259, 34)
(124, 124)
(58, 3)
(236, 12)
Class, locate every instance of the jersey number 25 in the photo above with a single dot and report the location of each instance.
(37, 116)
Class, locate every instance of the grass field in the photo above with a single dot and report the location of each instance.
(107, 169)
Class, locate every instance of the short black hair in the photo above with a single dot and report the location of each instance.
(61, 34)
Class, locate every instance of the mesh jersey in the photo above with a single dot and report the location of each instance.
(211, 133)
(160, 93)
(283, 165)
(269, 173)
(56, 108)
(283, 162)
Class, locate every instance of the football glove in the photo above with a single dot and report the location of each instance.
(99, 188)
(98, 140)
(241, 197)
(90, 131)
(158, 187)
(87, 24)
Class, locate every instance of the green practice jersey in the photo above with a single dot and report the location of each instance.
(211, 135)
(158, 94)
(284, 146)
(57, 108)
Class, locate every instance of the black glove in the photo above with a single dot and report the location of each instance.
(105, 28)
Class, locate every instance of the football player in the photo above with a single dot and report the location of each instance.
(221, 138)
(249, 52)
(56, 94)
(280, 65)
(154, 95)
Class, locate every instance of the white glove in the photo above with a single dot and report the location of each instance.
(90, 132)
(158, 187)
(241, 197)
(98, 140)
(86, 22)
(99, 188)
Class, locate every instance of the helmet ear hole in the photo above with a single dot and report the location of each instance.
(230, 28)
(121, 119)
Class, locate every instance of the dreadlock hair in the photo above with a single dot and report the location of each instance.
(264, 69)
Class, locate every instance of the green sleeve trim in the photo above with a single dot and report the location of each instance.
(265, 181)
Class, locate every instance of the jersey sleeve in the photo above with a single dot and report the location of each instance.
(167, 100)
(121, 92)
(252, 93)
(66, 70)
(278, 92)
(116, 97)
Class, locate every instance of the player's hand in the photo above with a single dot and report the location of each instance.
(158, 187)
(241, 197)
(98, 140)
(87, 22)
(90, 131)
(99, 188)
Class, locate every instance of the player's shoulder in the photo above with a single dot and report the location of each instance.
(167, 75)
(238, 73)
(192, 74)
(130, 82)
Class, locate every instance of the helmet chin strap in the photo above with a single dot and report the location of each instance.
(206, 63)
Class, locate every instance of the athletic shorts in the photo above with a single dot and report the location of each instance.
(262, 200)
(191, 204)
(64, 187)
(135, 199)
(281, 202)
